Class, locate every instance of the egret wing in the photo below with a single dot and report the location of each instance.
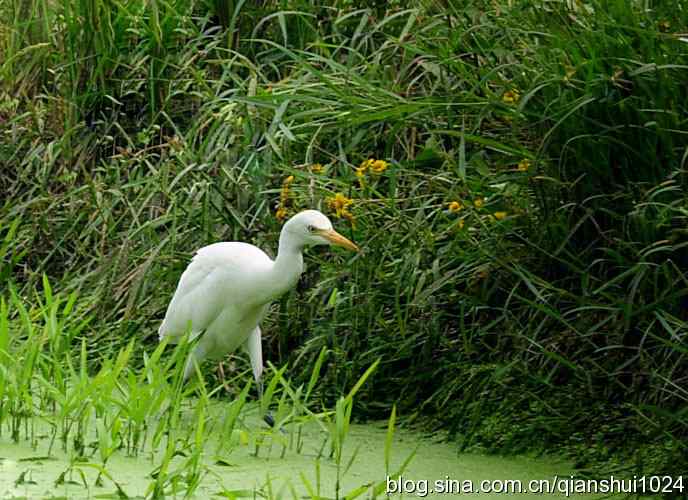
(208, 287)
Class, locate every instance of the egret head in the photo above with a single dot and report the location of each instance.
(311, 227)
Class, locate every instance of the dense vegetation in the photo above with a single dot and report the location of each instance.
(524, 274)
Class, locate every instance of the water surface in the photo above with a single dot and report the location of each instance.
(278, 469)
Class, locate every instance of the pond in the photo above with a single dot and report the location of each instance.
(258, 462)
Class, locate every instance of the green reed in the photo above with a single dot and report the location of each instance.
(174, 126)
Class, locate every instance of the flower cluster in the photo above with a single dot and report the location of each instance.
(340, 204)
(281, 212)
(511, 96)
(372, 165)
(523, 165)
(457, 206)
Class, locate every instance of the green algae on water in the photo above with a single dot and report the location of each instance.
(278, 470)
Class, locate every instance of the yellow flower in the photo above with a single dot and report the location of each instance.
(478, 202)
(340, 204)
(455, 206)
(461, 223)
(317, 168)
(511, 96)
(523, 165)
(570, 71)
(284, 194)
(378, 166)
(281, 213)
(500, 215)
(361, 170)
(363, 167)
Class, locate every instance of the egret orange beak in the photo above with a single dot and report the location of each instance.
(337, 239)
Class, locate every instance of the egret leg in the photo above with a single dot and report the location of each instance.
(268, 418)
(259, 383)
(255, 352)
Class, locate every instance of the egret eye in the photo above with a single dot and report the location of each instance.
(311, 229)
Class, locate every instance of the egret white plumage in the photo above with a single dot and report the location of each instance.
(226, 290)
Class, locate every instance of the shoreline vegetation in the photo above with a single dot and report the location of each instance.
(515, 173)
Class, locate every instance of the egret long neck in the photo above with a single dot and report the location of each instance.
(288, 265)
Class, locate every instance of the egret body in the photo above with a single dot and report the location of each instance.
(227, 288)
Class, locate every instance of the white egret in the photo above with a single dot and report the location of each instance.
(226, 290)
